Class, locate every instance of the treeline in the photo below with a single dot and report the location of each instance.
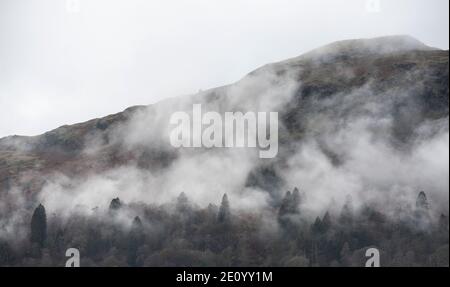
(180, 234)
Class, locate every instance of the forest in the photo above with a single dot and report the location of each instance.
(182, 234)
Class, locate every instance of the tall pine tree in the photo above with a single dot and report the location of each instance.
(224, 211)
(39, 226)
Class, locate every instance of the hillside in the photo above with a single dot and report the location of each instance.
(363, 162)
(392, 77)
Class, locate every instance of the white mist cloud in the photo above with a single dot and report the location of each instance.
(204, 175)
(60, 67)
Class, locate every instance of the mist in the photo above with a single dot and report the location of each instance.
(63, 65)
(357, 155)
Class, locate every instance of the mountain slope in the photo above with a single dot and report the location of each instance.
(394, 79)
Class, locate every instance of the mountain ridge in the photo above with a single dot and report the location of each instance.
(410, 77)
(406, 42)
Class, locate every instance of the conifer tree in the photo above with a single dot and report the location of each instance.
(326, 221)
(285, 203)
(115, 204)
(224, 210)
(422, 202)
(182, 203)
(136, 239)
(39, 226)
(346, 216)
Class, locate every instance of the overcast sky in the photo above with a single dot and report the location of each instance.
(63, 62)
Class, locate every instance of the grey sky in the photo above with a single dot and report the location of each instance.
(62, 64)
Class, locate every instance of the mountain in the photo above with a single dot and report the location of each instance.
(397, 85)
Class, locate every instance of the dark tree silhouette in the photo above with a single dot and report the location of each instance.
(347, 211)
(290, 203)
(285, 203)
(422, 211)
(296, 200)
(137, 223)
(182, 203)
(422, 202)
(317, 227)
(135, 240)
(39, 226)
(115, 204)
(326, 222)
(224, 210)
